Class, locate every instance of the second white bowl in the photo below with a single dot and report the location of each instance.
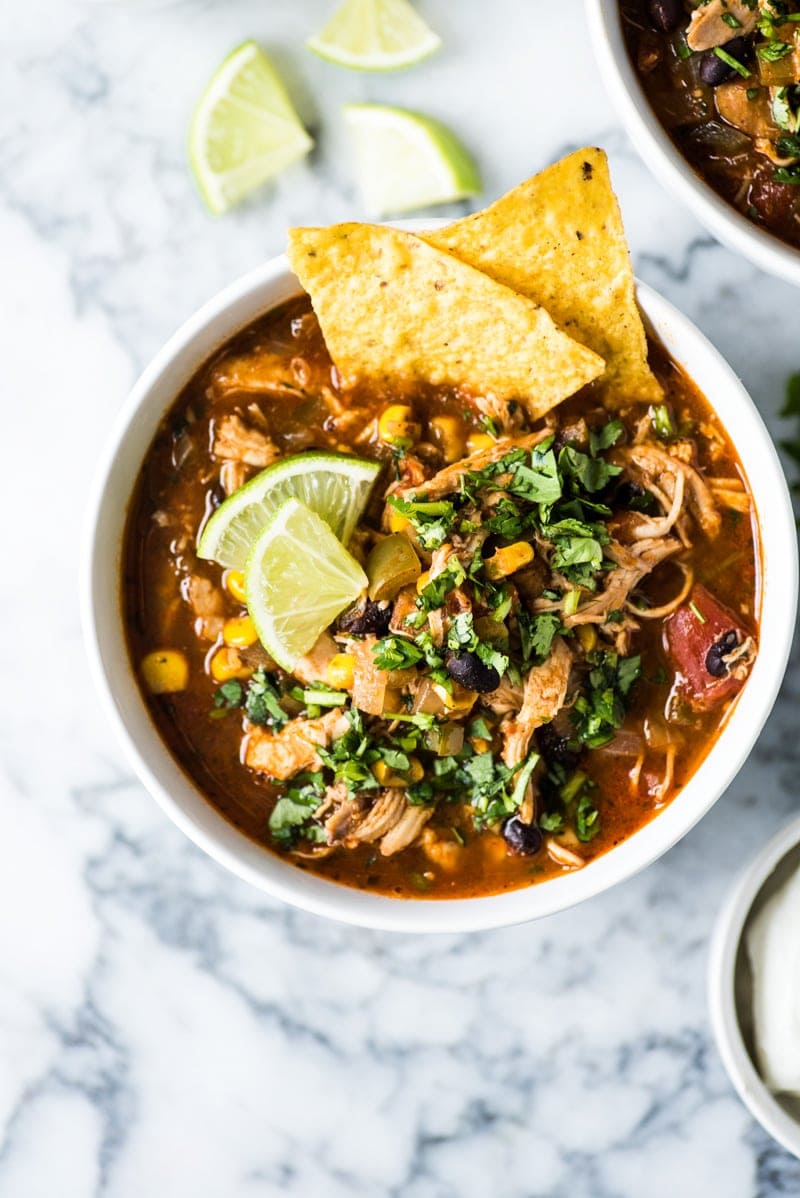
(666, 161)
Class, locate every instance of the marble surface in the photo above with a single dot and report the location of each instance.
(164, 1029)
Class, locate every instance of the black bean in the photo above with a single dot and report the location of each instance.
(666, 15)
(714, 71)
(470, 672)
(491, 543)
(522, 838)
(715, 665)
(634, 498)
(554, 748)
(365, 617)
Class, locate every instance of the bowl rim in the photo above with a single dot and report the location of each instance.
(170, 786)
(653, 143)
(723, 951)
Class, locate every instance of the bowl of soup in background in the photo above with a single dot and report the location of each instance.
(665, 160)
(215, 324)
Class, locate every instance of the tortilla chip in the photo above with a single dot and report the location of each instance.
(558, 238)
(393, 309)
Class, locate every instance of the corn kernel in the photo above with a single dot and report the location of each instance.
(478, 441)
(165, 671)
(240, 632)
(234, 581)
(415, 771)
(341, 670)
(423, 581)
(587, 635)
(480, 745)
(397, 521)
(397, 426)
(226, 664)
(508, 559)
(390, 777)
(447, 433)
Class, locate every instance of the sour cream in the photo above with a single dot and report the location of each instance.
(773, 946)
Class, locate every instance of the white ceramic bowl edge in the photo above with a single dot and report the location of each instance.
(161, 382)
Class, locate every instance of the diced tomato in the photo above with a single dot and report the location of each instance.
(696, 636)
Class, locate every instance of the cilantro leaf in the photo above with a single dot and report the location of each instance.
(396, 653)
(537, 634)
(230, 694)
(262, 701)
(589, 473)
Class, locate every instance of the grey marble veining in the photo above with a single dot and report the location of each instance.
(164, 1029)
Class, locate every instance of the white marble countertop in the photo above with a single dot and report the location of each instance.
(164, 1029)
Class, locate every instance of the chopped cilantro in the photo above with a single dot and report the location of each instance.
(600, 710)
(605, 437)
(772, 51)
(262, 703)
(537, 634)
(432, 521)
(230, 694)
(396, 653)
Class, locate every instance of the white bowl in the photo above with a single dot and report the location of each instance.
(730, 986)
(155, 391)
(666, 161)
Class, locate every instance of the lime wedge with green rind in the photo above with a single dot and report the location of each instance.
(375, 35)
(244, 129)
(333, 485)
(298, 579)
(405, 160)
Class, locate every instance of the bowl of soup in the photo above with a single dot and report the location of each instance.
(527, 644)
(710, 96)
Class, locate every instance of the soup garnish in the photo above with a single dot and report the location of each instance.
(531, 623)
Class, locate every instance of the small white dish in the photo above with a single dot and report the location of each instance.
(163, 380)
(666, 161)
(730, 986)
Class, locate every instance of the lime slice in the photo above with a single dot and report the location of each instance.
(298, 579)
(375, 35)
(405, 160)
(333, 485)
(244, 129)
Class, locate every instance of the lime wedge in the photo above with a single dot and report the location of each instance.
(333, 485)
(244, 129)
(375, 35)
(405, 160)
(298, 579)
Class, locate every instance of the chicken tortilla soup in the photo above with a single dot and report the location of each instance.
(444, 585)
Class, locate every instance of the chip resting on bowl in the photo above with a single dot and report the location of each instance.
(393, 309)
(558, 239)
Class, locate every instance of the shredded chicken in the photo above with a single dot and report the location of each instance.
(374, 691)
(242, 442)
(233, 475)
(387, 810)
(505, 699)
(314, 666)
(562, 855)
(207, 604)
(293, 748)
(543, 696)
(708, 27)
(406, 830)
(656, 464)
(390, 818)
(259, 372)
(448, 481)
